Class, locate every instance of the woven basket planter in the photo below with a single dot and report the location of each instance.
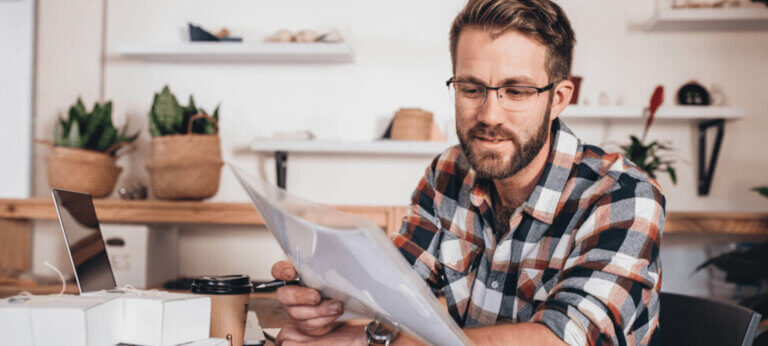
(412, 124)
(186, 167)
(86, 171)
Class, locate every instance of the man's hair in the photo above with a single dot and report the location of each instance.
(542, 20)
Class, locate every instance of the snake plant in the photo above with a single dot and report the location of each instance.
(168, 117)
(92, 130)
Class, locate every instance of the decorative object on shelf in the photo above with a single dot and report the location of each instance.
(186, 153)
(693, 93)
(700, 3)
(305, 36)
(198, 34)
(133, 191)
(576, 80)
(646, 156)
(413, 124)
(85, 149)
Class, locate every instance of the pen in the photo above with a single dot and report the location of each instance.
(275, 284)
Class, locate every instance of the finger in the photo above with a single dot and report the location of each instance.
(297, 295)
(317, 326)
(283, 270)
(289, 333)
(327, 308)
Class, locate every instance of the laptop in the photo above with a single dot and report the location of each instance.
(85, 244)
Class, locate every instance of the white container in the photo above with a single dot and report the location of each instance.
(142, 256)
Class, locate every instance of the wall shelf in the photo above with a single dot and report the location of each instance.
(331, 53)
(701, 19)
(389, 217)
(663, 113)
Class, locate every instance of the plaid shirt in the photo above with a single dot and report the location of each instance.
(581, 254)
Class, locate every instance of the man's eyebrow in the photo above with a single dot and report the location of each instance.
(516, 80)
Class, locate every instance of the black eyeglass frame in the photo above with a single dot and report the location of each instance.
(538, 90)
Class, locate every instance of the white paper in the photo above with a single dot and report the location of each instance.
(350, 259)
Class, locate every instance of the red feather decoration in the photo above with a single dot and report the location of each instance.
(656, 100)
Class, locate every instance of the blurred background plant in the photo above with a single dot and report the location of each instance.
(168, 117)
(92, 130)
(648, 156)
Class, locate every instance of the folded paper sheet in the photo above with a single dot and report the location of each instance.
(105, 318)
(350, 259)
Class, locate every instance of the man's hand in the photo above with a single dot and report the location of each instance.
(310, 314)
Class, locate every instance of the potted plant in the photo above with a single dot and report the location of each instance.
(186, 155)
(647, 156)
(84, 151)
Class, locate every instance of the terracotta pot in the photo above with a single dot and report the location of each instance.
(86, 171)
(185, 166)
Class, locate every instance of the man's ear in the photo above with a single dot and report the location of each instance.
(563, 91)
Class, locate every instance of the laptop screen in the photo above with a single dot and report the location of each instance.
(84, 241)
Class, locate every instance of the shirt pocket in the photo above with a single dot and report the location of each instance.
(536, 284)
(456, 253)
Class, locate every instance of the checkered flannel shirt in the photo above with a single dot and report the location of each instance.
(581, 254)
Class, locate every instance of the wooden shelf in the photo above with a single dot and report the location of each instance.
(177, 212)
(381, 147)
(700, 19)
(388, 217)
(239, 52)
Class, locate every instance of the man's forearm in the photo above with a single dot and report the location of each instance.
(513, 334)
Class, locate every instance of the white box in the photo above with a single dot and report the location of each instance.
(161, 318)
(65, 320)
(105, 318)
(142, 256)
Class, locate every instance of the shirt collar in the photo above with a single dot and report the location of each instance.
(543, 202)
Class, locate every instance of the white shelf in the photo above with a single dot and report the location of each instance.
(239, 52)
(382, 147)
(664, 112)
(709, 19)
(423, 148)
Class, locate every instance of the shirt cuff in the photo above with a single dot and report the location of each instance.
(565, 327)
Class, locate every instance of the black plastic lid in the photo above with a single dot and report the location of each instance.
(224, 284)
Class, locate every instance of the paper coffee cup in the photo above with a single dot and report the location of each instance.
(229, 304)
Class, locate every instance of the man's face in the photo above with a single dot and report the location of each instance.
(498, 142)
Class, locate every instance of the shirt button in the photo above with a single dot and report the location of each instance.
(495, 284)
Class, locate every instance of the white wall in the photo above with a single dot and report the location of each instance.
(17, 26)
(401, 59)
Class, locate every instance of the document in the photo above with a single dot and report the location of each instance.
(350, 259)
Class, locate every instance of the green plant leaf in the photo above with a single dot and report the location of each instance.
(168, 112)
(73, 140)
(762, 190)
(107, 139)
(672, 174)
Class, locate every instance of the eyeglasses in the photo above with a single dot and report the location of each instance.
(471, 96)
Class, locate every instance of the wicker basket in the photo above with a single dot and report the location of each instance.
(81, 170)
(185, 166)
(412, 124)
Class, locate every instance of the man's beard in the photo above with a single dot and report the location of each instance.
(490, 164)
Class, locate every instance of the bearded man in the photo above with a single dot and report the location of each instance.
(534, 236)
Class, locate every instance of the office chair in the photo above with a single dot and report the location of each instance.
(686, 320)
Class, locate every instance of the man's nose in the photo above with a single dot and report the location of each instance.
(491, 113)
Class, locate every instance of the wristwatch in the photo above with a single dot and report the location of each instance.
(381, 332)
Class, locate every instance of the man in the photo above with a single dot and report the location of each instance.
(535, 237)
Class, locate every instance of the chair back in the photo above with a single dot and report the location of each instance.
(686, 320)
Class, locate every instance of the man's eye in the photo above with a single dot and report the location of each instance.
(517, 93)
(469, 90)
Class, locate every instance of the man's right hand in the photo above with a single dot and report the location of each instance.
(309, 312)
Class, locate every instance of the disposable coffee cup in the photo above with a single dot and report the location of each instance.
(229, 304)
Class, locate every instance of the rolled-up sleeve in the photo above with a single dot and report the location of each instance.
(418, 238)
(608, 292)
